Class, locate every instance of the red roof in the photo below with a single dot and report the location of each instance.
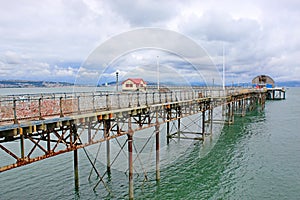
(135, 80)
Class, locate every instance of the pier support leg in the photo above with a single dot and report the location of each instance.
(263, 102)
(178, 121)
(157, 148)
(178, 128)
(22, 143)
(168, 132)
(108, 157)
(224, 109)
(203, 124)
(48, 142)
(106, 132)
(130, 163)
(130, 159)
(76, 175)
(232, 112)
(89, 131)
(244, 107)
(168, 126)
(229, 113)
(211, 120)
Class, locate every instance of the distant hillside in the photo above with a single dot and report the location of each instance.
(29, 84)
(288, 84)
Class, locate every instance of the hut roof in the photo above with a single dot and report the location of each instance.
(263, 80)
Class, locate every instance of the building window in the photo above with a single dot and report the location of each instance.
(129, 85)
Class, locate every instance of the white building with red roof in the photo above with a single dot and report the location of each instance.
(134, 84)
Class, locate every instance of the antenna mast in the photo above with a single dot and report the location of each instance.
(223, 67)
(157, 63)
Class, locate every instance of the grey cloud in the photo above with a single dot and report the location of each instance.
(37, 32)
(53, 30)
(107, 56)
(145, 12)
(220, 26)
(15, 58)
(19, 66)
(264, 46)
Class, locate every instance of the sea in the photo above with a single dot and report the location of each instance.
(258, 157)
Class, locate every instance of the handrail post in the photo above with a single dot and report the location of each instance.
(107, 101)
(153, 97)
(146, 98)
(138, 98)
(60, 107)
(159, 97)
(93, 95)
(78, 106)
(129, 100)
(40, 109)
(15, 110)
(166, 97)
(180, 98)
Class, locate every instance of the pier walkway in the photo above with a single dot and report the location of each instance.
(58, 123)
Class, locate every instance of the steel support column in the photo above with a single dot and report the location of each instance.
(178, 121)
(211, 119)
(168, 132)
(168, 126)
(203, 123)
(232, 111)
(130, 159)
(73, 130)
(107, 127)
(229, 113)
(89, 124)
(157, 147)
(22, 143)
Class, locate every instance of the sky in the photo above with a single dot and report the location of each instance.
(55, 40)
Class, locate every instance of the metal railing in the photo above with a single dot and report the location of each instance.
(15, 108)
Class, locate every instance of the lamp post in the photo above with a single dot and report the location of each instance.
(117, 80)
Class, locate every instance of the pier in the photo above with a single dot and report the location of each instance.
(63, 122)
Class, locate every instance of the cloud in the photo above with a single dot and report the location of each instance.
(43, 38)
(14, 58)
(20, 66)
(145, 12)
(220, 26)
(54, 30)
(136, 52)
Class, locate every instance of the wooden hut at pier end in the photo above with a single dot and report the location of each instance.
(263, 81)
(266, 82)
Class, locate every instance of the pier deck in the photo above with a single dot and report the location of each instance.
(59, 123)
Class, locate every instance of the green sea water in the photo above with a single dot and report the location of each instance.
(256, 158)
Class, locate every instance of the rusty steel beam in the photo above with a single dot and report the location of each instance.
(9, 153)
(27, 161)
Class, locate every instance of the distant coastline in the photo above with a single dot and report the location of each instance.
(54, 84)
(32, 84)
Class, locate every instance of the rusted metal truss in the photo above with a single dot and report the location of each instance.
(46, 138)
